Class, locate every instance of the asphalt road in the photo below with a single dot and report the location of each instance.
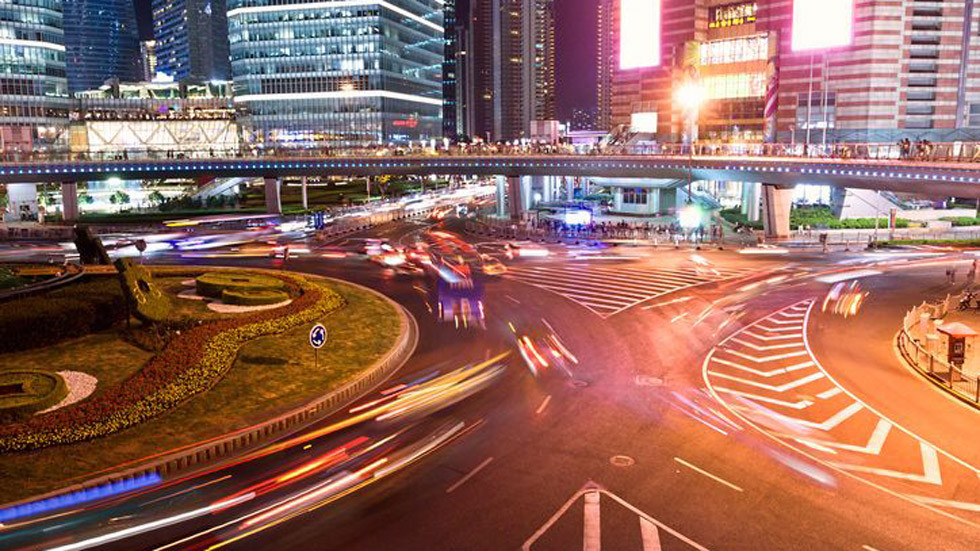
(638, 448)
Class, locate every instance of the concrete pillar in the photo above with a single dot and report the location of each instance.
(569, 189)
(776, 204)
(306, 204)
(617, 199)
(501, 196)
(69, 201)
(667, 200)
(750, 200)
(514, 197)
(273, 201)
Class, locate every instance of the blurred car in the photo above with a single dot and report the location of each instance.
(492, 266)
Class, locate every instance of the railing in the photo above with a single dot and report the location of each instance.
(655, 234)
(945, 374)
(960, 152)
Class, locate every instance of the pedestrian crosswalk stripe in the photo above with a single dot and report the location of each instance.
(566, 278)
(598, 276)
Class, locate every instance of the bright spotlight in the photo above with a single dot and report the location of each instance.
(690, 217)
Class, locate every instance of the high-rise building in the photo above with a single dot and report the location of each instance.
(192, 39)
(450, 74)
(605, 64)
(510, 46)
(312, 75)
(34, 87)
(148, 59)
(102, 42)
(874, 70)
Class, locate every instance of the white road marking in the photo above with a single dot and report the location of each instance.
(963, 505)
(508, 297)
(869, 548)
(763, 348)
(775, 388)
(801, 404)
(544, 404)
(469, 475)
(650, 535)
(930, 468)
(765, 359)
(771, 373)
(773, 337)
(679, 317)
(779, 329)
(707, 474)
(829, 393)
(591, 538)
(783, 322)
(872, 447)
(832, 421)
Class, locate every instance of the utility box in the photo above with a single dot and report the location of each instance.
(960, 343)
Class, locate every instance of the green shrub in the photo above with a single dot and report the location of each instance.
(64, 313)
(25, 392)
(213, 284)
(735, 216)
(148, 302)
(258, 297)
(822, 217)
(962, 220)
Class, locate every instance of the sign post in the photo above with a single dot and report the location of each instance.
(318, 337)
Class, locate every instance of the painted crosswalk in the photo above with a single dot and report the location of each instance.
(768, 376)
(607, 290)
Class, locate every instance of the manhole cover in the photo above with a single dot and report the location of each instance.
(579, 383)
(621, 461)
(648, 380)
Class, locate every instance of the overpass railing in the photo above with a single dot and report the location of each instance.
(958, 152)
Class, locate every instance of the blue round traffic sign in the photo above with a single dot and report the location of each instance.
(318, 336)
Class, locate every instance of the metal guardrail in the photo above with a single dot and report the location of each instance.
(944, 374)
(251, 438)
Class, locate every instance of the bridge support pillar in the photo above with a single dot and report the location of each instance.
(569, 188)
(515, 199)
(776, 204)
(273, 201)
(306, 203)
(501, 196)
(69, 201)
(750, 200)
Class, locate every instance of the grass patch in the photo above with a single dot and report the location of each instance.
(271, 375)
(947, 242)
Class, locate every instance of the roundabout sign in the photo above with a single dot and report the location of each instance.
(318, 338)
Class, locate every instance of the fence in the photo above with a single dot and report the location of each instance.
(250, 438)
(917, 327)
(506, 229)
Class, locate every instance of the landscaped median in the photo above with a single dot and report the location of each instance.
(220, 374)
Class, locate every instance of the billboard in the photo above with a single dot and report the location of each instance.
(639, 33)
(822, 24)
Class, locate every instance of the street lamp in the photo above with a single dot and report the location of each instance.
(690, 96)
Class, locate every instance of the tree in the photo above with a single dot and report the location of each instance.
(155, 198)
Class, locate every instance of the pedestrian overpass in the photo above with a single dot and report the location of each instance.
(778, 175)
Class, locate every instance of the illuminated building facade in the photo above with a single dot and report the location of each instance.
(311, 74)
(873, 70)
(34, 87)
(192, 39)
(148, 60)
(102, 42)
(605, 63)
(140, 118)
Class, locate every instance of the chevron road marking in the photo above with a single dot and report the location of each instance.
(801, 404)
(772, 373)
(765, 359)
(873, 447)
(831, 422)
(930, 468)
(829, 393)
(773, 337)
(763, 348)
(780, 329)
(649, 535)
(772, 319)
(780, 388)
(964, 505)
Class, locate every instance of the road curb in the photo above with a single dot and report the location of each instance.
(934, 382)
(214, 452)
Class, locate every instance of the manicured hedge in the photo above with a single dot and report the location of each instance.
(41, 391)
(190, 364)
(214, 283)
(822, 217)
(253, 298)
(61, 314)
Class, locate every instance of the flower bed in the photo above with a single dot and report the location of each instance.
(192, 363)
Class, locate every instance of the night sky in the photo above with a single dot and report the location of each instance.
(575, 22)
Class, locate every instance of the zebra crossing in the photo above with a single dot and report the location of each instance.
(607, 290)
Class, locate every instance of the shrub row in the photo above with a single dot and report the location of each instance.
(823, 218)
(61, 314)
(192, 363)
(41, 390)
(962, 220)
(735, 216)
(212, 284)
(253, 298)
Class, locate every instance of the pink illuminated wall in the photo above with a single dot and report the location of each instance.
(639, 33)
(822, 24)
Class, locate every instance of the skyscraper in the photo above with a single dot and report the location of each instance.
(311, 75)
(450, 73)
(102, 42)
(605, 64)
(34, 88)
(510, 46)
(875, 70)
(148, 59)
(192, 39)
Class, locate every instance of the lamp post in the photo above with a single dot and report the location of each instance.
(690, 96)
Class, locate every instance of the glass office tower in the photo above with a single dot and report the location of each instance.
(314, 73)
(191, 39)
(34, 87)
(102, 42)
